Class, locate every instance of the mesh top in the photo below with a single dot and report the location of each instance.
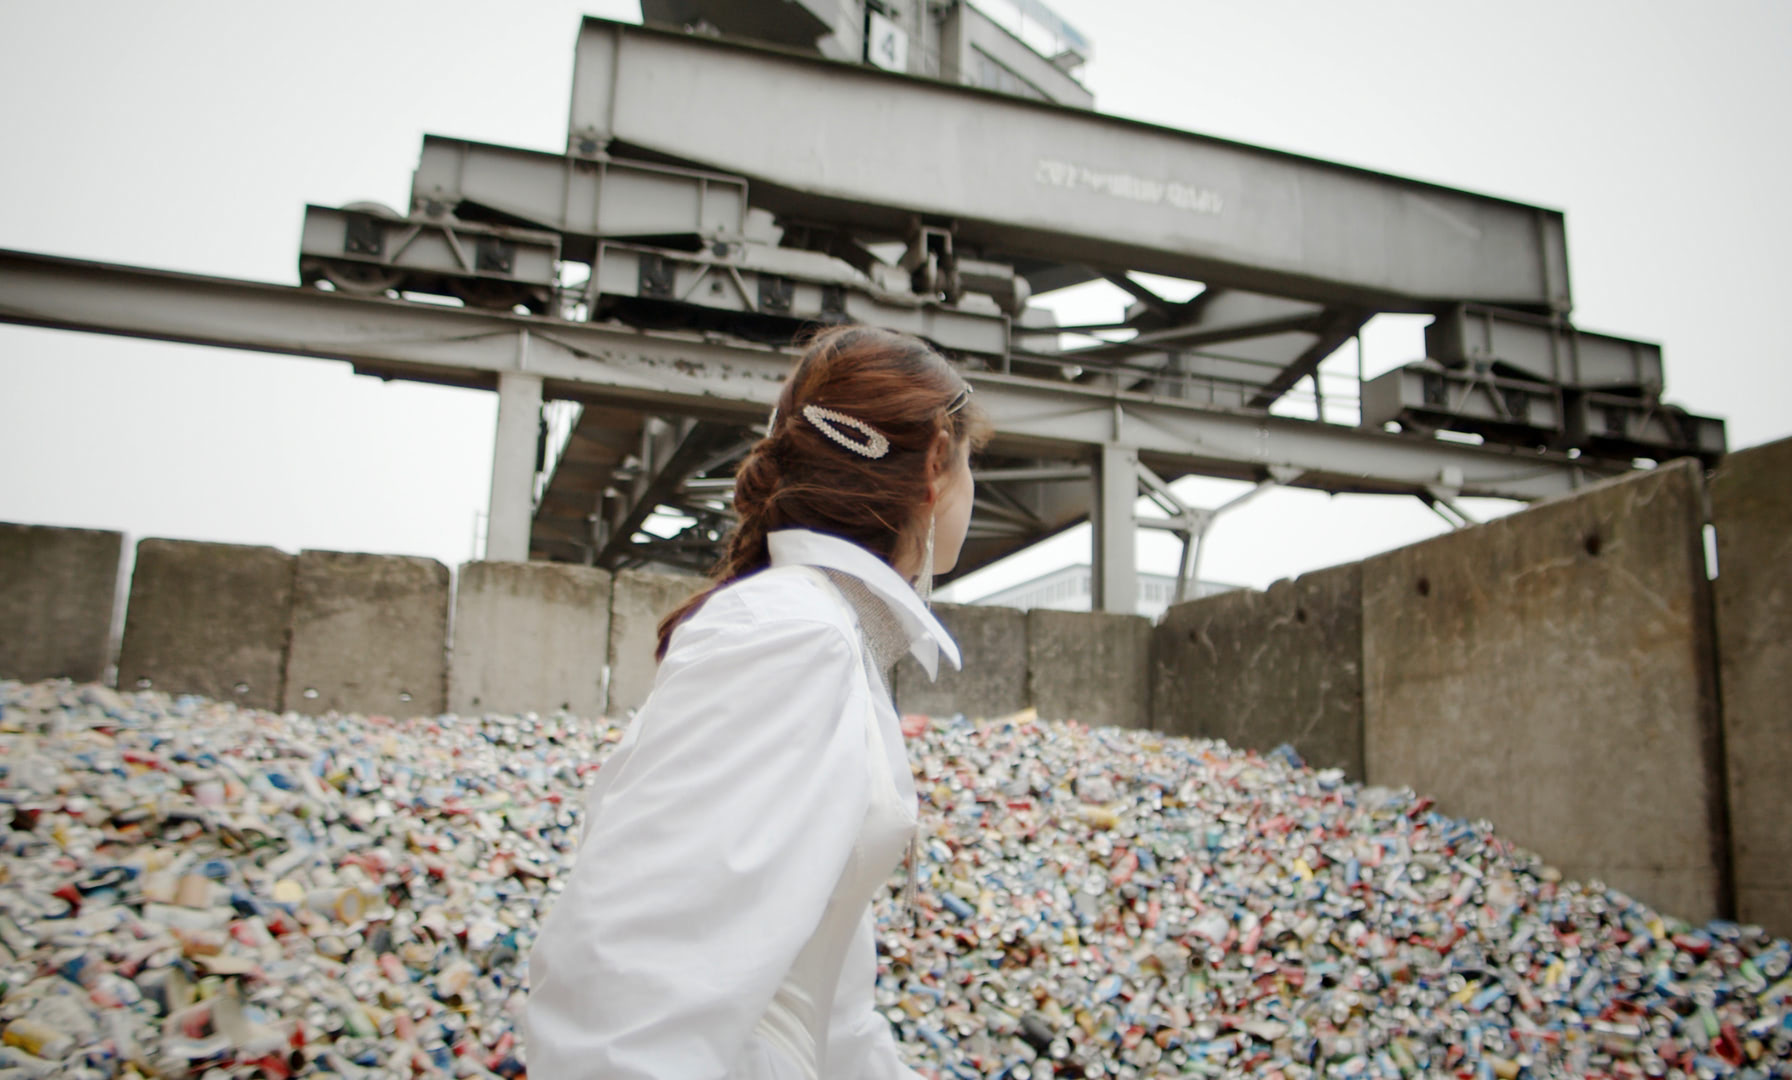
(885, 640)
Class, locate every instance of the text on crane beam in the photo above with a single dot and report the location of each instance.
(1120, 185)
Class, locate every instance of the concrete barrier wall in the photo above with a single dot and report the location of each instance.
(529, 637)
(1088, 667)
(1093, 667)
(1552, 671)
(1259, 669)
(993, 644)
(208, 619)
(638, 601)
(57, 588)
(1555, 671)
(369, 635)
(1751, 507)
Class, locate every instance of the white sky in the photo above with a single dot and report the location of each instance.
(191, 136)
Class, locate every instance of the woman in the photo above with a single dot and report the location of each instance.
(717, 922)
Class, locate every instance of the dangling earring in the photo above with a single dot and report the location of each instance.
(924, 580)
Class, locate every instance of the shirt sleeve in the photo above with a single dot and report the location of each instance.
(711, 858)
(860, 1045)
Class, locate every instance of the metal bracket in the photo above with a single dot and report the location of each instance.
(1192, 523)
(833, 302)
(775, 294)
(364, 235)
(1442, 496)
(657, 277)
(1457, 518)
(494, 255)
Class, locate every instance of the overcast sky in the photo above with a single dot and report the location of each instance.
(190, 136)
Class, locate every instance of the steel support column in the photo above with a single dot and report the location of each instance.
(1116, 586)
(513, 461)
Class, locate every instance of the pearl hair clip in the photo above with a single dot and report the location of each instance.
(875, 444)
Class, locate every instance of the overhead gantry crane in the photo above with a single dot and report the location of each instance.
(716, 195)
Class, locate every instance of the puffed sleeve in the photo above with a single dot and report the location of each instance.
(711, 858)
(860, 1045)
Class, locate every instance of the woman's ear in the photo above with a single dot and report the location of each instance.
(939, 456)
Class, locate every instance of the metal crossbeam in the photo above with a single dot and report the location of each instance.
(597, 445)
(691, 376)
(1336, 328)
(660, 479)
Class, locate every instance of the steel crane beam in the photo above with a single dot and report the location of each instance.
(732, 382)
(1022, 179)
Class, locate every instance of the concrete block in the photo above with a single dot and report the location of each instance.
(529, 637)
(208, 619)
(993, 644)
(369, 635)
(1552, 671)
(638, 601)
(57, 588)
(1259, 669)
(1751, 507)
(1090, 666)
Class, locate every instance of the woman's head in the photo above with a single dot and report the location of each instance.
(804, 474)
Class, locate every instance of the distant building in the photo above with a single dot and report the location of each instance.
(1069, 588)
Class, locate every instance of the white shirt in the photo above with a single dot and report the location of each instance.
(716, 922)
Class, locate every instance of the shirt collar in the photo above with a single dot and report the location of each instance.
(805, 547)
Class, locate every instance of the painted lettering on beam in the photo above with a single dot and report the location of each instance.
(1121, 185)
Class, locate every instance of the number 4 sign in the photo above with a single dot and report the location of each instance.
(887, 45)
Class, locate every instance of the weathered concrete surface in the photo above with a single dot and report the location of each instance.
(1552, 672)
(1751, 507)
(529, 637)
(1259, 669)
(369, 635)
(57, 588)
(638, 601)
(208, 619)
(1090, 666)
(993, 644)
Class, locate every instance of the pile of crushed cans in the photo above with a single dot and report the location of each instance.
(191, 889)
(1102, 902)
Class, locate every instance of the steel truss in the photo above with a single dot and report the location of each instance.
(1048, 434)
(705, 242)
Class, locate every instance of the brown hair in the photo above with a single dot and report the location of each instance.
(796, 477)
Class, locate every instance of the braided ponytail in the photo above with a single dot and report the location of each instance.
(797, 477)
(755, 481)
